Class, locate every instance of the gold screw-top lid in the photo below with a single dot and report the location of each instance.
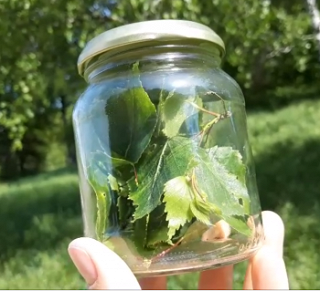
(129, 35)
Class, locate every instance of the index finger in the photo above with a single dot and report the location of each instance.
(266, 269)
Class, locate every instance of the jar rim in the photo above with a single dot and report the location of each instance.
(130, 35)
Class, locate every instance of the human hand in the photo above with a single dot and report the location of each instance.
(103, 269)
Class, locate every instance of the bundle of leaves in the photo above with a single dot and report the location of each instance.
(158, 176)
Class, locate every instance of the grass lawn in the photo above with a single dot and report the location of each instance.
(40, 215)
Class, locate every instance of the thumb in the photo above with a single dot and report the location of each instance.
(100, 267)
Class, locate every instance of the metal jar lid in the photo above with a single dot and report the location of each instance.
(129, 35)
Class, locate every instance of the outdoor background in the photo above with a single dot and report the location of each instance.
(272, 52)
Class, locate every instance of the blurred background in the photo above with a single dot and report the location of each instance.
(273, 51)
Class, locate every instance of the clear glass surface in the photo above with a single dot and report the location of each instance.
(167, 178)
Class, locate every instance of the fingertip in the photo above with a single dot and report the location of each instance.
(274, 231)
(273, 220)
(111, 271)
(268, 259)
(82, 242)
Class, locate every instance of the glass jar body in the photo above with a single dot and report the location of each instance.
(167, 179)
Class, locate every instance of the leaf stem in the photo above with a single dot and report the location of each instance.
(216, 94)
(218, 116)
(203, 110)
(195, 186)
(163, 253)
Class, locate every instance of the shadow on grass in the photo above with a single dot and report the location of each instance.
(288, 174)
(39, 213)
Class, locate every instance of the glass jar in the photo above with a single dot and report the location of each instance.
(167, 179)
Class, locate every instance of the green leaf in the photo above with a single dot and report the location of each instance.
(231, 159)
(141, 232)
(151, 230)
(157, 235)
(176, 110)
(157, 227)
(132, 119)
(178, 195)
(204, 211)
(238, 223)
(125, 210)
(118, 161)
(223, 187)
(113, 183)
(108, 161)
(99, 182)
(102, 205)
(183, 203)
(169, 161)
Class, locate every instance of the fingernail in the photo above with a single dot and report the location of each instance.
(84, 265)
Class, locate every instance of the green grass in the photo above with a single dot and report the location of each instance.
(41, 215)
